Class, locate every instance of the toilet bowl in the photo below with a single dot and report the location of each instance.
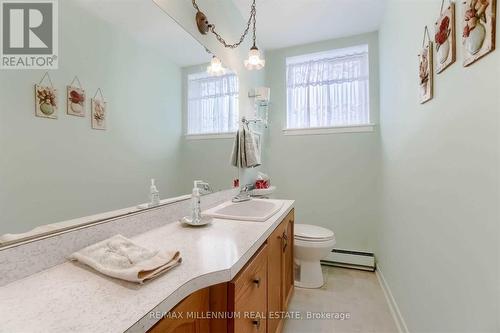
(312, 243)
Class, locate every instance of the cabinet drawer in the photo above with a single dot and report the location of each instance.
(249, 292)
(252, 278)
(252, 314)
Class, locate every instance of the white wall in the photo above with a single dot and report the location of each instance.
(53, 170)
(438, 243)
(333, 178)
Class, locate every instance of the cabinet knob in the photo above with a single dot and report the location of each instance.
(257, 281)
(256, 323)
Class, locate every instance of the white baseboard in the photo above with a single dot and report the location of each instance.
(393, 306)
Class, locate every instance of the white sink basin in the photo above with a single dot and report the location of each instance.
(258, 210)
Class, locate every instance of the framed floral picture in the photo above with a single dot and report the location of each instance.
(426, 79)
(478, 37)
(45, 102)
(99, 109)
(76, 101)
(444, 38)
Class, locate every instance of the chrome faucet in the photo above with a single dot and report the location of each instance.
(244, 194)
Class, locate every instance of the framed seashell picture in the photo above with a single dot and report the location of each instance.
(426, 77)
(444, 38)
(45, 102)
(99, 109)
(76, 101)
(479, 29)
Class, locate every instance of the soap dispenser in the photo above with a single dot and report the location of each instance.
(196, 202)
(196, 219)
(154, 194)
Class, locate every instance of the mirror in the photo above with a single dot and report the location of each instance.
(66, 158)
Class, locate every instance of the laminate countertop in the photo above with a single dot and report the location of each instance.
(73, 298)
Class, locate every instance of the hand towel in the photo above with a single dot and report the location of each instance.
(252, 149)
(246, 151)
(120, 258)
(235, 160)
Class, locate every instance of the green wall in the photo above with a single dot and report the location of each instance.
(438, 237)
(54, 170)
(332, 177)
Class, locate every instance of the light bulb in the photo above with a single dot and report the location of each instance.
(215, 68)
(254, 60)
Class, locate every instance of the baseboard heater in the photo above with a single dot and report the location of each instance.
(350, 259)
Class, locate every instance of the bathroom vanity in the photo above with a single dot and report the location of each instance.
(228, 266)
(254, 300)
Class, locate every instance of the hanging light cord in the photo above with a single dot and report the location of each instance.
(251, 21)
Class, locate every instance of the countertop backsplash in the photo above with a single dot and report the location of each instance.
(28, 258)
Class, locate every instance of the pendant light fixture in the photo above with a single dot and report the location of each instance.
(254, 60)
(215, 68)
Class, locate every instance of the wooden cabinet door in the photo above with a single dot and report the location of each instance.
(288, 278)
(274, 277)
(247, 295)
(198, 302)
(280, 272)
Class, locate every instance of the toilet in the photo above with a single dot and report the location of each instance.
(312, 243)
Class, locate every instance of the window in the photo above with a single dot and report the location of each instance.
(328, 89)
(212, 104)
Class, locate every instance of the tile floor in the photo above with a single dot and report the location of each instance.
(348, 291)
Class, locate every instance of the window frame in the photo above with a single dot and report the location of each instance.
(335, 129)
(210, 136)
(204, 136)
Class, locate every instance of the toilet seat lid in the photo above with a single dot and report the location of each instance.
(312, 232)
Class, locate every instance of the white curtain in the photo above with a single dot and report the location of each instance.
(212, 104)
(327, 92)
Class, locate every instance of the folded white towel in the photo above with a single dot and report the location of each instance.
(120, 258)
